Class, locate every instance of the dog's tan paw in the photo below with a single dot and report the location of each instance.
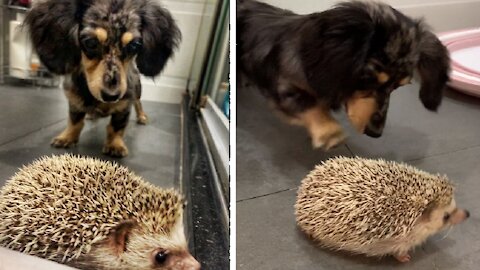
(115, 150)
(403, 258)
(328, 136)
(142, 119)
(63, 142)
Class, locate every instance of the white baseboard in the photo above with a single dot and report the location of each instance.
(163, 89)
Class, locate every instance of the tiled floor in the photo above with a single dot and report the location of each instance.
(30, 118)
(273, 157)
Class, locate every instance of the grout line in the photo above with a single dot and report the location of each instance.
(265, 195)
(349, 150)
(31, 132)
(443, 154)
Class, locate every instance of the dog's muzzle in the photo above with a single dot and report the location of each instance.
(110, 97)
(377, 124)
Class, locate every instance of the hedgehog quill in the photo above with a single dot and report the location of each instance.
(92, 214)
(374, 207)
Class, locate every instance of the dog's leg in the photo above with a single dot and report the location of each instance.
(325, 131)
(69, 136)
(142, 118)
(114, 145)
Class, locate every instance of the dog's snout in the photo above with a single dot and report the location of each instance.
(110, 97)
(373, 133)
(111, 80)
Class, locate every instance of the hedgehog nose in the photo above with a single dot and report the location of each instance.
(467, 214)
(192, 264)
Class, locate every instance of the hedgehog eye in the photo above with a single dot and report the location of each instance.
(161, 257)
(446, 217)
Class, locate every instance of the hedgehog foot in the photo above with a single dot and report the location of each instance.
(328, 136)
(403, 257)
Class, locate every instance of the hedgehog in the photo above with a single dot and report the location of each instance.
(374, 207)
(93, 214)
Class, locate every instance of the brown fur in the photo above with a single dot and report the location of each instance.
(69, 136)
(114, 144)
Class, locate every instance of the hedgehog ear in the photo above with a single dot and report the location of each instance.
(118, 238)
(426, 214)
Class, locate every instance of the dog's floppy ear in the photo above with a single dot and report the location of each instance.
(433, 68)
(160, 35)
(53, 27)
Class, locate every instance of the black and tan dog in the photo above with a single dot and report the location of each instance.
(97, 43)
(352, 55)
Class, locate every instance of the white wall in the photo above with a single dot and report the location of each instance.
(171, 84)
(442, 15)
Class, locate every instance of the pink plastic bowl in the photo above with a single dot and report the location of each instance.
(464, 48)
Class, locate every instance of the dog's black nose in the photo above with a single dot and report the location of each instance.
(107, 97)
(373, 134)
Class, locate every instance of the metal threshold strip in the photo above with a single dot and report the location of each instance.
(206, 222)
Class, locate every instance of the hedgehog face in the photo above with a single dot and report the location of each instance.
(133, 246)
(440, 218)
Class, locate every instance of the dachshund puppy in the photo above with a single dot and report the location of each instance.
(101, 46)
(353, 55)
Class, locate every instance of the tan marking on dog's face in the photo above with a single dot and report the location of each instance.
(383, 77)
(101, 34)
(126, 38)
(405, 81)
(360, 108)
(94, 70)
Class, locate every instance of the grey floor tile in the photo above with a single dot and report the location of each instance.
(25, 110)
(154, 148)
(412, 132)
(271, 155)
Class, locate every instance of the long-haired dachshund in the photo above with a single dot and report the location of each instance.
(352, 55)
(102, 45)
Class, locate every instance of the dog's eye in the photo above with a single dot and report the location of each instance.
(133, 47)
(91, 43)
(446, 217)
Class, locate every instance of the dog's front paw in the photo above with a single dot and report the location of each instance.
(327, 136)
(63, 142)
(142, 119)
(115, 149)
